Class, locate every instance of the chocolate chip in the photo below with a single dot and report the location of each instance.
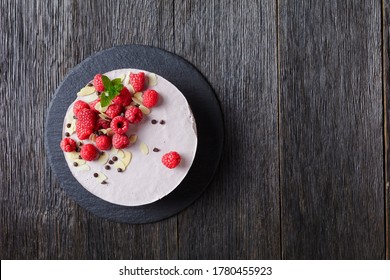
(99, 93)
(153, 121)
(119, 170)
(107, 167)
(104, 182)
(90, 85)
(68, 125)
(162, 122)
(114, 158)
(80, 157)
(67, 134)
(110, 162)
(95, 175)
(156, 150)
(75, 117)
(77, 149)
(80, 144)
(75, 164)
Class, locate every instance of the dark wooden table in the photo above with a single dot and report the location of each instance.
(304, 87)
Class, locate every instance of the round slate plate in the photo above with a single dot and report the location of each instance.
(203, 103)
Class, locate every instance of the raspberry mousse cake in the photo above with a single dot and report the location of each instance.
(129, 137)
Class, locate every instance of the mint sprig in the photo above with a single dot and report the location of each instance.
(111, 89)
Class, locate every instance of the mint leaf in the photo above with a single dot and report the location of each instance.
(118, 87)
(104, 99)
(107, 96)
(111, 89)
(116, 81)
(106, 82)
(112, 94)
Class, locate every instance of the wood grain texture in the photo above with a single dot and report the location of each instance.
(40, 42)
(331, 114)
(386, 95)
(233, 43)
(300, 86)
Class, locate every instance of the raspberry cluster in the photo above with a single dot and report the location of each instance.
(90, 121)
(110, 126)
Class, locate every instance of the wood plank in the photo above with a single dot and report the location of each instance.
(332, 180)
(386, 88)
(38, 220)
(233, 44)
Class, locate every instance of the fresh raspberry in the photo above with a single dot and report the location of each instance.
(83, 132)
(124, 97)
(85, 123)
(119, 125)
(133, 114)
(98, 83)
(93, 104)
(113, 110)
(171, 159)
(103, 142)
(150, 98)
(102, 124)
(137, 81)
(68, 145)
(120, 141)
(89, 152)
(78, 106)
(87, 118)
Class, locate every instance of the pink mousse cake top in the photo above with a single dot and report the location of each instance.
(138, 137)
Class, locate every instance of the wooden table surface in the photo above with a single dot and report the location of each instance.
(304, 87)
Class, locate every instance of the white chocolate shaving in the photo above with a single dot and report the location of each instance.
(120, 164)
(137, 101)
(127, 158)
(101, 177)
(110, 132)
(71, 155)
(89, 98)
(101, 109)
(133, 139)
(144, 109)
(130, 87)
(120, 154)
(113, 151)
(152, 79)
(144, 148)
(104, 116)
(69, 117)
(84, 167)
(79, 161)
(86, 91)
(103, 158)
(138, 96)
(72, 127)
(74, 154)
(92, 137)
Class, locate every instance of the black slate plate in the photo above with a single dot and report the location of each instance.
(203, 103)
